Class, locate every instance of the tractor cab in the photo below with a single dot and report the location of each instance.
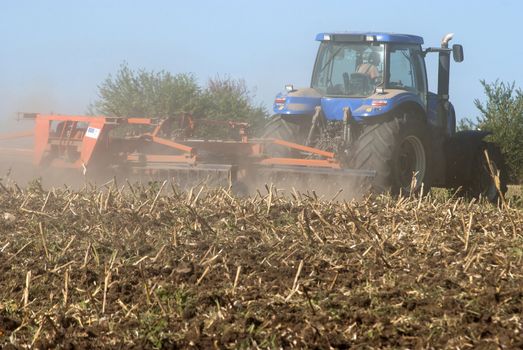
(364, 72)
(373, 74)
(350, 65)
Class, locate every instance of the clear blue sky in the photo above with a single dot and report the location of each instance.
(55, 53)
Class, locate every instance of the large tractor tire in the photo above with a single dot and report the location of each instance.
(399, 152)
(487, 181)
(287, 129)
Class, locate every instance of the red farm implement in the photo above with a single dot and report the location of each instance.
(99, 147)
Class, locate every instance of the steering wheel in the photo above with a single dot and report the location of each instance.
(360, 83)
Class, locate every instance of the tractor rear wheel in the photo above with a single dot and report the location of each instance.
(398, 150)
(487, 181)
(292, 129)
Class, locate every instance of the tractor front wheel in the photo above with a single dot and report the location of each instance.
(292, 129)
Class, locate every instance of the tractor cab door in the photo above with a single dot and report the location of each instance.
(407, 70)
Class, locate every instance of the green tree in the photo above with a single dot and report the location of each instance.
(161, 94)
(227, 99)
(502, 113)
(466, 124)
(146, 94)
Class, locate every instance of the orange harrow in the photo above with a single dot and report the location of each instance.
(111, 146)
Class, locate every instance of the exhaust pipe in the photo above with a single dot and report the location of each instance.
(444, 68)
(446, 39)
(444, 80)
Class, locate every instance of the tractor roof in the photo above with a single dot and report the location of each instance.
(370, 36)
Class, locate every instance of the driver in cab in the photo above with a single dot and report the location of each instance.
(371, 67)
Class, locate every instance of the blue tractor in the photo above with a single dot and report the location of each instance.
(369, 103)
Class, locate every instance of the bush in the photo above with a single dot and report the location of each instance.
(227, 99)
(161, 94)
(502, 113)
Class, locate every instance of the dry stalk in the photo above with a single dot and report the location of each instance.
(100, 203)
(19, 251)
(467, 233)
(140, 260)
(44, 243)
(203, 275)
(417, 220)
(188, 200)
(65, 291)
(37, 213)
(86, 256)
(469, 259)
(123, 306)
(175, 238)
(45, 201)
(367, 251)
(95, 255)
(145, 286)
(26, 289)
(331, 286)
(336, 195)
(24, 202)
(107, 280)
(62, 253)
(193, 204)
(158, 254)
(496, 178)
(295, 284)
(205, 254)
(236, 278)
(269, 199)
(208, 261)
(157, 196)
(164, 312)
(227, 194)
(421, 195)
(137, 210)
(200, 220)
(131, 188)
(109, 194)
(38, 331)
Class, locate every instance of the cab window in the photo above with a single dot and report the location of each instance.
(348, 69)
(406, 70)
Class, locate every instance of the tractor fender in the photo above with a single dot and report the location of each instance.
(297, 102)
(459, 153)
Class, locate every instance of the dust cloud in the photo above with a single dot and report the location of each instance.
(16, 163)
(328, 186)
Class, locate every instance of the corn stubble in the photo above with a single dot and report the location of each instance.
(150, 267)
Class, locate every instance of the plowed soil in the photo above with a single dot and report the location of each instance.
(149, 267)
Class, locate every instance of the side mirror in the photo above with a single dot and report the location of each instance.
(457, 53)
